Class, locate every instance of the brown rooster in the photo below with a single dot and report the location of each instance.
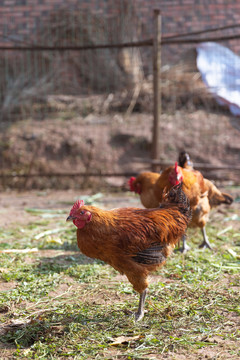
(193, 182)
(194, 187)
(215, 196)
(133, 241)
(209, 197)
(143, 185)
(150, 185)
(202, 193)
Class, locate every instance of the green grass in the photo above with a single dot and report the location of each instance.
(58, 304)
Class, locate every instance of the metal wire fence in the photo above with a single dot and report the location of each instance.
(76, 97)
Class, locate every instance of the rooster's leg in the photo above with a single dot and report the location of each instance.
(185, 247)
(205, 243)
(140, 313)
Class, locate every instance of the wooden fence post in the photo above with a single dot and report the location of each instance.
(156, 88)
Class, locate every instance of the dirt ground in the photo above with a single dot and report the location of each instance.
(112, 143)
(13, 203)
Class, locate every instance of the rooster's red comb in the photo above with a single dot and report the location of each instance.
(77, 205)
(130, 183)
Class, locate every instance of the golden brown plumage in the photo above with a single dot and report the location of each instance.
(205, 195)
(192, 182)
(133, 241)
(202, 193)
(215, 196)
(150, 185)
(143, 185)
(194, 187)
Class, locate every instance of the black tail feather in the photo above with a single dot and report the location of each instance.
(184, 159)
(228, 198)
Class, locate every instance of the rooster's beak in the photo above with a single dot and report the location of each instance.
(70, 218)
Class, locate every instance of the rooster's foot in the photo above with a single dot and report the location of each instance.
(139, 316)
(205, 245)
(184, 249)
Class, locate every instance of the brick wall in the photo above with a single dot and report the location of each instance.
(19, 19)
(182, 16)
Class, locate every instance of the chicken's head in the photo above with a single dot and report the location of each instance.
(133, 186)
(175, 176)
(184, 159)
(79, 215)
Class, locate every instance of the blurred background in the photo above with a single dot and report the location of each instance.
(76, 91)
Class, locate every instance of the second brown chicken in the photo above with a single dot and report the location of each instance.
(202, 193)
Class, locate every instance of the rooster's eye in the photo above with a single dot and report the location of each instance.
(82, 212)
